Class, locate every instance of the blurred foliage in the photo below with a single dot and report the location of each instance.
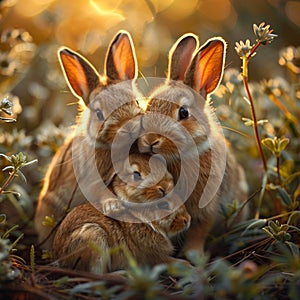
(258, 259)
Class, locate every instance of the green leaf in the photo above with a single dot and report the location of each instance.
(196, 259)
(285, 197)
(291, 178)
(16, 194)
(13, 246)
(273, 187)
(256, 224)
(286, 168)
(87, 286)
(262, 122)
(22, 176)
(61, 281)
(30, 163)
(295, 215)
(248, 102)
(297, 192)
(7, 233)
(2, 218)
(295, 228)
(49, 221)
(248, 122)
(293, 248)
(284, 227)
(8, 168)
(267, 231)
(6, 157)
(269, 143)
(14, 160)
(273, 226)
(283, 143)
(294, 291)
(157, 271)
(283, 236)
(46, 254)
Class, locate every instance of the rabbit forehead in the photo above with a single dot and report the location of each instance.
(111, 97)
(173, 93)
(186, 101)
(173, 96)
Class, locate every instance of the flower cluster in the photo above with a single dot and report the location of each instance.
(263, 35)
(243, 49)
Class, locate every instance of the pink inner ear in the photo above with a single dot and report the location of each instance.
(80, 75)
(209, 67)
(124, 60)
(75, 75)
(180, 56)
(185, 61)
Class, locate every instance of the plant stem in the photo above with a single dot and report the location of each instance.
(253, 114)
(255, 127)
(7, 182)
(261, 195)
(278, 169)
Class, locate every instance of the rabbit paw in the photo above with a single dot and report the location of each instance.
(111, 207)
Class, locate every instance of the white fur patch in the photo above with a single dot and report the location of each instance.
(186, 101)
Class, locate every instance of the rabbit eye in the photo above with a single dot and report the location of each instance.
(163, 205)
(99, 115)
(183, 113)
(137, 176)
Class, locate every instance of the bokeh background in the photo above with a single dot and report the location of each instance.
(31, 32)
(88, 26)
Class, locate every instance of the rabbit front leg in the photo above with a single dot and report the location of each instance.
(112, 207)
(196, 236)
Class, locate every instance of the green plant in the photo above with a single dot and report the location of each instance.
(16, 163)
(246, 51)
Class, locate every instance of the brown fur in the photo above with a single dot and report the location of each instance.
(88, 240)
(90, 143)
(203, 74)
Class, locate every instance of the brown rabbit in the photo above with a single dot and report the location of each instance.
(90, 241)
(108, 105)
(179, 116)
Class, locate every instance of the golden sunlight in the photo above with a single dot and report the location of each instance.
(107, 8)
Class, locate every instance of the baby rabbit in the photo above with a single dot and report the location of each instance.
(90, 241)
(107, 106)
(179, 117)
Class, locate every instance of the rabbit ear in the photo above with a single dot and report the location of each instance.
(181, 54)
(80, 75)
(120, 62)
(206, 70)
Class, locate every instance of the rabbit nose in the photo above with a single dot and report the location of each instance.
(155, 146)
(161, 191)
